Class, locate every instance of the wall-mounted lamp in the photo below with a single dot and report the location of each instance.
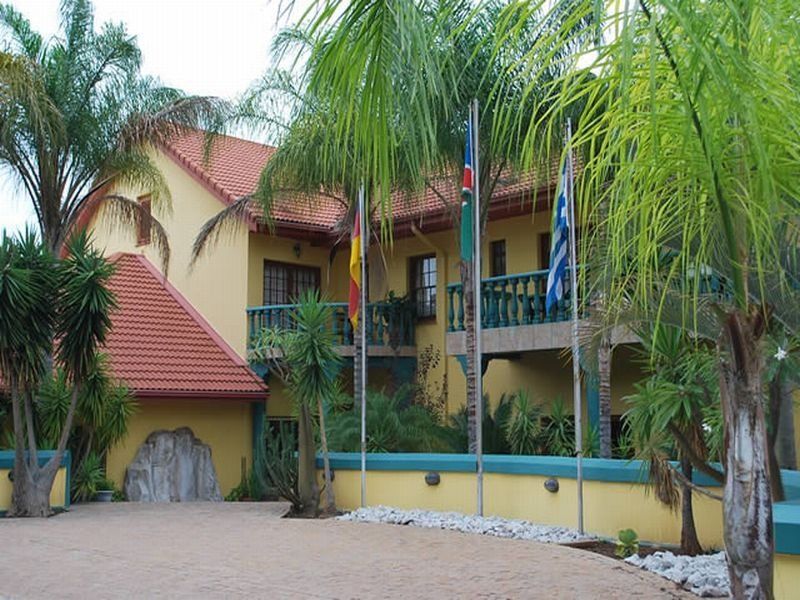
(296, 249)
(432, 478)
(551, 485)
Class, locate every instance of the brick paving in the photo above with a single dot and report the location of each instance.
(245, 550)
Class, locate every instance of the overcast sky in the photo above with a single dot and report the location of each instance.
(209, 47)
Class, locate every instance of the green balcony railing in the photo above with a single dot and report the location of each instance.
(519, 299)
(388, 324)
(508, 301)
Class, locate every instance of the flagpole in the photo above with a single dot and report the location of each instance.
(476, 278)
(362, 301)
(576, 368)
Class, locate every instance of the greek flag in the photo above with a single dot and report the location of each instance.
(559, 245)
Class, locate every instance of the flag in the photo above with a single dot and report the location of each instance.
(355, 270)
(466, 200)
(559, 245)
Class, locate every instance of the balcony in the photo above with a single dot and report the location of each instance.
(390, 327)
(513, 317)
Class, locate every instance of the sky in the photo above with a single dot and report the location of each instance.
(206, 47)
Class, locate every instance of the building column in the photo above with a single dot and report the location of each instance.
(592, 400)
(258, 411)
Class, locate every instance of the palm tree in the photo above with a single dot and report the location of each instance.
(303, 357)
(675, 411)
(687, 135)
(77, 118)
(401, 77)
(48, 309)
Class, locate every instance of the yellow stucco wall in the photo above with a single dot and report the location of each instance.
(58, 494)
(225, 425)
(787, 577)
(217, 286)
(607, 505)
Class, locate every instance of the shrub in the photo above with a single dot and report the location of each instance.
(627, 543)
(394, 424)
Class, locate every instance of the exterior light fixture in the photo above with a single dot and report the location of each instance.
(551, 485)
(296, 249)
(432, 478)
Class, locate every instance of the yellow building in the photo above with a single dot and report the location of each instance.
(252, 273)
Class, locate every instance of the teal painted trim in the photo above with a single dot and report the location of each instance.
(258, 411)
(7, 458)
(7, 462)
(68, 492)
(593, 401)
(594, 469)
(786, 517)
(791, 484)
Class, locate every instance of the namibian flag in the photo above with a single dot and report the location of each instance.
(355, 270)
(466, 199)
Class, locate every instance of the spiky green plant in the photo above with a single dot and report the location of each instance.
(50, 311)
(394, 424)
(303, 356)
(524, 427)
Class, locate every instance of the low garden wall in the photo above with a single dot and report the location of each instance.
(59, 496)
(614, 494)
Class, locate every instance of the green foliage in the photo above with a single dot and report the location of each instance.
(278, 464)
(559, 430)
(493, 427)
(591, 442)
(394, 424)
(87, 478)
(627, 543)
(79, 100)
(524, 426)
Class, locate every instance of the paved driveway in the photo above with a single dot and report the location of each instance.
(246, 550)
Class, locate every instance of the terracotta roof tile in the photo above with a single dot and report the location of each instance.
(234, 166)
(160, 345)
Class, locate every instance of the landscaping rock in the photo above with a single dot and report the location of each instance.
(172, 466)
(705, 575)
(495, 526)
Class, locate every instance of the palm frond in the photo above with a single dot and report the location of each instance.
(227, 221)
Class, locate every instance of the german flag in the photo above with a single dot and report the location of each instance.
(355, 271)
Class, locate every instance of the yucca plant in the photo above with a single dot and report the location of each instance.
(524, 428)
(52, 313)
(559, 430)
(303, 356)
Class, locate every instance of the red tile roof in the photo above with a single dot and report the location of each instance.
(160, 346)
(234, 165)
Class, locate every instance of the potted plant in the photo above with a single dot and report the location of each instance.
(397, 318)
(105, 491)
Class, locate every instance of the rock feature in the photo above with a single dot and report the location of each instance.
(496, 526)
(172, 466)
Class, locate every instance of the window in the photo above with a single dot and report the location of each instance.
(144, 223)
(423, 285)
(498, 254)
(284, 283)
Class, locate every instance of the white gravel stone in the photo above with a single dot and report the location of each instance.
(506, 528)
(705, 575)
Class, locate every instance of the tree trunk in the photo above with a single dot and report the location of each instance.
(775, 418)
(306, 471)
(330, 500)
(785, 438)
(604, 390)
(690, 544)
(473, 419)
(747, 506)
